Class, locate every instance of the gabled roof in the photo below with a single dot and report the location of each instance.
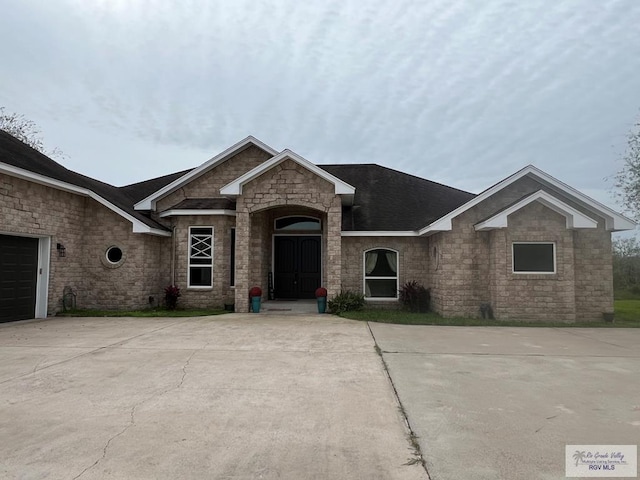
(149, 202)
(18, 159)
(574, 218)
(613, 220)
(235, 187)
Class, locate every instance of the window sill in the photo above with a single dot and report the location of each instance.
(199, 289)
(380, 299)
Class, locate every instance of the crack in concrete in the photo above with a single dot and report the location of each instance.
(132, 420)
(95, 350)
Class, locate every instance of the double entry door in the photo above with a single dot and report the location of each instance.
(297, 266)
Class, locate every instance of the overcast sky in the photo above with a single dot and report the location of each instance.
(460, 92)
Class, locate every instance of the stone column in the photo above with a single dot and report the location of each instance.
(243, 232)
(334, 248)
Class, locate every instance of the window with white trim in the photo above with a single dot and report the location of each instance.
(200, 257)
(381, 273)
(534, 257)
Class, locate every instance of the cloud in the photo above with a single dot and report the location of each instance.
(459, 92)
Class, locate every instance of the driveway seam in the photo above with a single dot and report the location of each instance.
(413, 438)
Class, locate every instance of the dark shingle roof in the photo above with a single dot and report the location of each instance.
(387, 199)
(205, 204)
(19, 154)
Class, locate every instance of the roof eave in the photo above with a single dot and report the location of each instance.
(149, 203)
(138, 226)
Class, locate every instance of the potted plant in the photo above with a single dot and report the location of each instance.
(255, 294)
(321, 297)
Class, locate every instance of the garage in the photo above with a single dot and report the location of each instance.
(18, 277)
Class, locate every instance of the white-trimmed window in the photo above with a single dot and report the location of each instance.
(534, 257)
(381, 273)
(200, 257)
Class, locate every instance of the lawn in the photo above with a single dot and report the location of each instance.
(627, 314)
(152, 312)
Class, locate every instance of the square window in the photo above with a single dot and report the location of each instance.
(534, 257)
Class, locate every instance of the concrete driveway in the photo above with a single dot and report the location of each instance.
(230, 397)
(502, 403)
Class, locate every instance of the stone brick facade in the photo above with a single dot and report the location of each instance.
(464, 268)
(86, 229)
(285, 188)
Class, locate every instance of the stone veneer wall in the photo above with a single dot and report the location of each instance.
(593, 273)
(533, 296)
(221, 292)
(208, 185)
(413, 260)
(476, 267)
(285, 185)
(86, 229)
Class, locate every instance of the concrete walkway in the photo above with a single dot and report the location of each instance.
(229, 397)
(494, 403)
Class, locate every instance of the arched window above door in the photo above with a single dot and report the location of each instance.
(297, 223)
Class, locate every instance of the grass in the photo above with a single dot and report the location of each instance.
(627, 314)
(152, 312)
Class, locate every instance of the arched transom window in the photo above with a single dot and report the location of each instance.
(381, 273)
(297, 223)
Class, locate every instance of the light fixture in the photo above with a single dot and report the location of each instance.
(62, 252)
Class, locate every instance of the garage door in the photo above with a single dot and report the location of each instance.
(18, 276)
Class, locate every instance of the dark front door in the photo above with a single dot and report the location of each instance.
(18, 277)
(296, 266)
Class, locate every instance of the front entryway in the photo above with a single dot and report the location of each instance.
(18, 277)
(297, 266)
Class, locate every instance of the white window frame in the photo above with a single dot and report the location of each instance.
(200, 265)
(513, 259)
(365, 277)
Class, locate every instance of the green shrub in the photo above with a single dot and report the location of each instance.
(345, 302)
(414, 297)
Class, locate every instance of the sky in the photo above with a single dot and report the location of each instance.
(464, 93)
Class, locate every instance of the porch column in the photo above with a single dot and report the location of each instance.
(334, 248)
(243, 229)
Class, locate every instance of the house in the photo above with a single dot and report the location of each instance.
(530, 246)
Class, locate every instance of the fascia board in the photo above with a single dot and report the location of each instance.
(149, 202)
(385, 233)
(234, 188)
(185, 212)
(574, 218)
(613, 220)
(138, 226)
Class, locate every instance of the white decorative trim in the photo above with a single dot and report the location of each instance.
(613, 220)
(380, 233)
(178, 212)
(149, 203)
(42, 285)
(138, 226)
(235, 187)
(574, 218)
